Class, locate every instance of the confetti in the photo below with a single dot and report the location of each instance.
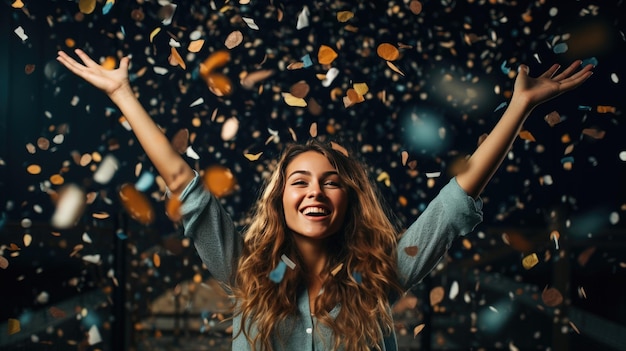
(530, 261)
(326, 55)
(387, 52)
(278, 273)
(234, 39)
(551, 297)
(436, 295)
(69, 207)
(418, 329)
(136, 204)
(219, 180)
(13, 326)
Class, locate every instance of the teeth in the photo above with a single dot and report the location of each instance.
(314, 210)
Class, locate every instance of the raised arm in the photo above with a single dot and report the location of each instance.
(169, 163)
(528, 93)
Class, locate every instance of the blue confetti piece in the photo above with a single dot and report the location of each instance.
(108, 6)
(357, 276)
(501, 106)
(306, 59)
(504, 68)
(590, 61)
(120, 235)
(278, 273)
(567, 159)
(145, 181)
(560, 48)
(3, 220)
(584, 108)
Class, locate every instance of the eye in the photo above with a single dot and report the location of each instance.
(298, 183)
(332, 184)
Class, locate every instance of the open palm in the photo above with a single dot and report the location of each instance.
(104, 79)
(549, 84)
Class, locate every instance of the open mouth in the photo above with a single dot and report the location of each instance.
(315, 211)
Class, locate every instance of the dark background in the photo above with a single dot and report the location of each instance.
(456, 58)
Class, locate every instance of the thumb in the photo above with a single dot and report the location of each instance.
(523, 69)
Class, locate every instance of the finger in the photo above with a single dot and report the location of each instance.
(124, 62)
(576, 80)
(69, 63)
(568, 71)
(551, 71)
(86, 59)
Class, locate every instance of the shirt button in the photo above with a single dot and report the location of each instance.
(309, 330)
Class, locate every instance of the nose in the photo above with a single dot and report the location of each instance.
(315, 191)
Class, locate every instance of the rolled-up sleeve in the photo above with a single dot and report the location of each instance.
(211, 228)
(450, 214)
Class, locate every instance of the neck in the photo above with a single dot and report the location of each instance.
(314, 254)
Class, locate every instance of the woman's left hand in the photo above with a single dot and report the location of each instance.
(549, 85)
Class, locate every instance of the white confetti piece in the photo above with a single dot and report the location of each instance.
(454, 290)
(288, 262)
(94, 335)
(197, 102)
(95, 259)
(106, 170)
(250, 23)
(69, 207)
(192, 153)
(330, 76)
(20, 33)
(230, 128)
(303, 18)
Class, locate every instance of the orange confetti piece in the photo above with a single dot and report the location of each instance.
(344, 16)
(156, 259)
(219, 180)
(87, 6)
(215, 60)
(136, 203)
(551, 297)
(56, 312)
(526, 135)
(234, 39)
(418, 329)
(436, 295)
(109, 63)
(388, 52)
(196, 45)
(172, 209)
(33, 169)
(415, 7)
(606, 109)
(594, 133)
(13, 326)
(219, 84)
(411, 250)
(326, 55)
(175, 59)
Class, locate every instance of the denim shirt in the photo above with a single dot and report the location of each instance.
(450, 214)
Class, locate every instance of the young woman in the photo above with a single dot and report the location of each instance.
(320, 264)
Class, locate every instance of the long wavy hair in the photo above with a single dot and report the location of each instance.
(361, 265)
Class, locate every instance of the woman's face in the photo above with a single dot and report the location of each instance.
(314, 199)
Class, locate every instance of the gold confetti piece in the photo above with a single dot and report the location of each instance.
(219, 180)
(18, 4)
(154, 33)
(388, 52)
(33, 169)
(361, 88)
(526, 135)
(100, 215)
(606, 109)
(411, 250)
(27, 240)
(385, 178)
(4, 263)
(337, 269)
(313, 130)
(326, 55)
(553, 118)
(13, 326)
(436, 295)
(87, 6)
(156, 259)
(293, 101)
(395, 68)
(594, 133)
(530, 261)
(418, 329)
(175, 59)
(234, 39)
(196, 45)
(551, 297)
(253, 157)
(344, 16)
(136, 204)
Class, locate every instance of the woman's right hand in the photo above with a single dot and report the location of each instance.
(107, 80)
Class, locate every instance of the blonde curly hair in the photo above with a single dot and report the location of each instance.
(366, 245)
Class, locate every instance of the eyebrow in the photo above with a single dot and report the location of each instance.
(308, 173)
